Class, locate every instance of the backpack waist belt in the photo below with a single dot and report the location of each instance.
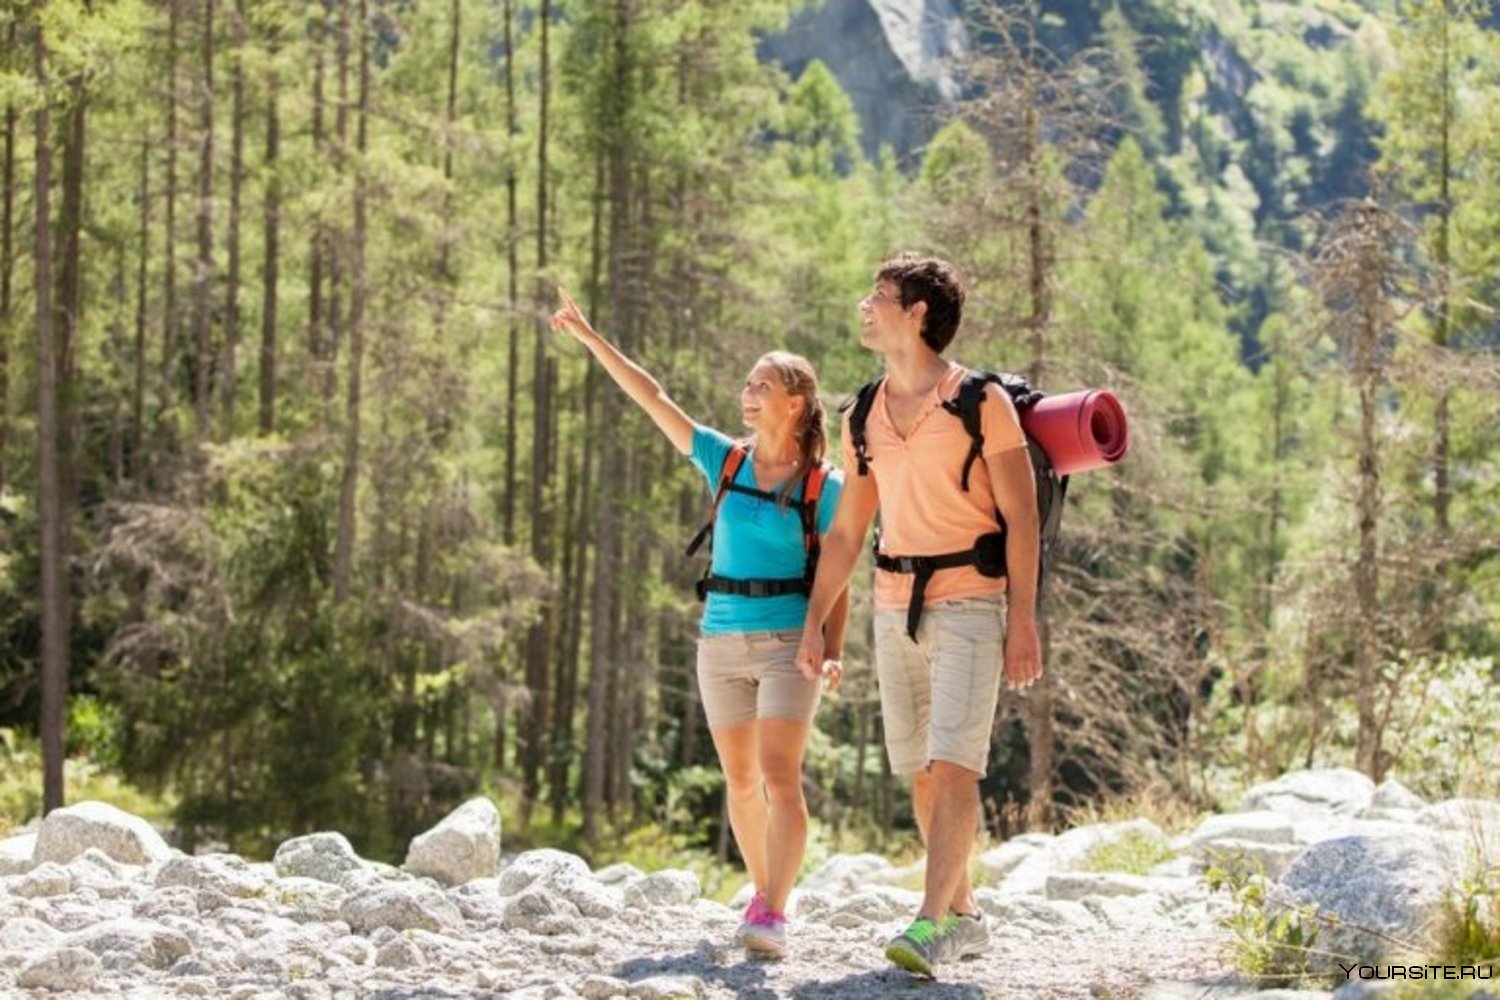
(752, 588)
(982, 556)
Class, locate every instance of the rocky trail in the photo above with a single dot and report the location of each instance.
(93, 902)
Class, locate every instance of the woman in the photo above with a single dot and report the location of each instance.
(759, 705)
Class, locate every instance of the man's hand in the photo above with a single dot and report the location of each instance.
(570, 318)
(1023, 654)
(810, 653)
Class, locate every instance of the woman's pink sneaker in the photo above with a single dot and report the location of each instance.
(765, 935)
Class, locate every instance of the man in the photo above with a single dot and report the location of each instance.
(940, 650)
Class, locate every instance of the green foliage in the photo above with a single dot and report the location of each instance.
(1133, 854)
(1271, 943)
(84, 780)
(1468, 931)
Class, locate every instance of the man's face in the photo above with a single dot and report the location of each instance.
(886, 323)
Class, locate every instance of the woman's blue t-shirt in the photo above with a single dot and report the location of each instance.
(755, 539)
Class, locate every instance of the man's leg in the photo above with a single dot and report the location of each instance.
(946, 800)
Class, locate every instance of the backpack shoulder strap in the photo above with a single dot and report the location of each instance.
(812, 492)
(965, 406)
(731, 468)
(859, 414)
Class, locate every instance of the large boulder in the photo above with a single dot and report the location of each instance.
(327, 857)
(463, 847)
(1370, 892)
(68, 832)
(1299, 795)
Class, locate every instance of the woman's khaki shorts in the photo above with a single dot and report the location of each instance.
(938, 694)
(753, 675)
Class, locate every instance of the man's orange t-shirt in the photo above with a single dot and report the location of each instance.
(924, 510)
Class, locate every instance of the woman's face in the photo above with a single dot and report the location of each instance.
(765, 403)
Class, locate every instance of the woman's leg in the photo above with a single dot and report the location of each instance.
(782, 742)
(739, 756)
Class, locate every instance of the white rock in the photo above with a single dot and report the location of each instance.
(146, 942)
(27, 934)
(617, 874)
(307, 898)
(1263, 827)
(863, 908)
(845, 872)
(604, 988)
(1378, 889)
(540, 864)
(1071, 850)
(16, 852)
(64, 970)
(172, 900)
(1392, 794)
(227, 873)
(67, 832)
(1078, 885)
(540, 912)
(667, 988)
(1307, 794)
(1248, 857)
(1001, 861)
(46, 879)
(464, 846)
(399, 953)
(401, 907)
(669, 887)
(327, 857)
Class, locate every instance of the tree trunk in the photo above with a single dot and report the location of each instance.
(7, 260)
(236, 185)
(169, 359)
(203, 277)
(1442, 497)
(604, 606)
(1039, 703)
(137, 462)
(512, 241)
(319, 249)
(344, 544)
(55, 638)
(339, 237)
(533, 732)
(271, 265)
(1367, 504)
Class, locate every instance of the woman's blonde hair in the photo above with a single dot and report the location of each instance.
(801, 381)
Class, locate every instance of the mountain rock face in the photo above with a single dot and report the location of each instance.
(892, 57)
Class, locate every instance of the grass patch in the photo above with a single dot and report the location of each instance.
(83, 780)
(1132, 854)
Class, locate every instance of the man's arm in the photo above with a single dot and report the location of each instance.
(1014, 486)
(841, 545)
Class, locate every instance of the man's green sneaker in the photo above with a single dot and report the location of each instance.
(959, 937)
(914, 950)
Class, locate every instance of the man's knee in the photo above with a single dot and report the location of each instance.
(947, 774)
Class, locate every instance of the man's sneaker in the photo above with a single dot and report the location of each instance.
(961, 936)
(915, 950)
(752, 912)
(765, 936)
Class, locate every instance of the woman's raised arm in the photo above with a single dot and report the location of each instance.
(638, 383)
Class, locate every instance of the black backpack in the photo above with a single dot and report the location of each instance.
(988, 553)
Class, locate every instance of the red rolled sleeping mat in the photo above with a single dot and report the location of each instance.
(1079, 431)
